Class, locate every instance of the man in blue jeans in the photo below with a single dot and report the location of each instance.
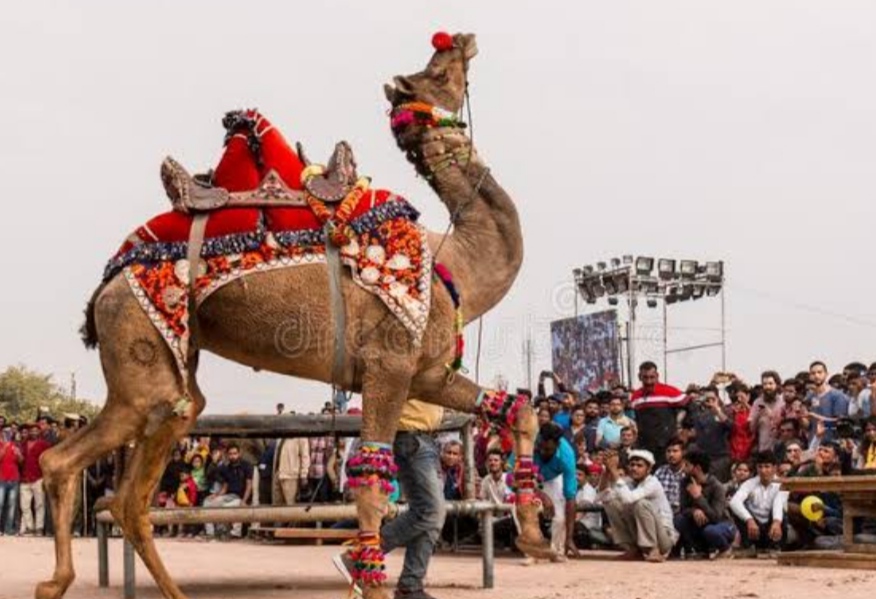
(418, 529)
(702, 522)
(10, 474)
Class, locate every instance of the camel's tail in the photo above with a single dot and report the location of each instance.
(88, 330)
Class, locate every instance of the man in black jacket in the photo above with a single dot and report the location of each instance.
(703, 522)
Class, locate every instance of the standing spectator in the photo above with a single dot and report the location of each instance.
(658, 408)
(555, 459)
(827, 404)
(321, 449)
(235, 480)
(10, 475)
(293, 466)
(637, 508)
(862, 407)
(702, 522)
(712, 429)
(629, 438)
(266, 472)
(609, 429)
(766, 413)
(33, 511)
(558, 415)
(578, 425)
(671, 474)
(759, 506)
(591, 422)
(741, 435)
(789, 432)
(169, 483)
(281, 407)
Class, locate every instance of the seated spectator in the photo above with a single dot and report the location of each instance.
(703, 522)
(789, 432)
(865, 455)
(826, 463)
(452, 476)
(494, 487)
(628, 442)
(235, 480)
(672, 473)
(741, 473)
(637, 508)
(758, 507)
(608, 432)
(589, 528)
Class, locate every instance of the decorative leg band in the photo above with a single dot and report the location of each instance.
(369, 568)
(500, 408)
(371, 465)
(525, 480)
(443, 275)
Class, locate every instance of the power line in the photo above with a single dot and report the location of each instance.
(805, 307)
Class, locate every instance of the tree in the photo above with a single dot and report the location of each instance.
(25, 392)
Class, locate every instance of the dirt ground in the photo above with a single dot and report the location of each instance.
(251, 570)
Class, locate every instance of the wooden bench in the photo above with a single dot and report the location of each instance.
(858, 495)
(285, 514)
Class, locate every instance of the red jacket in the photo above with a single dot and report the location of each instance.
(32, 450)
(9, 462)
(741, 436)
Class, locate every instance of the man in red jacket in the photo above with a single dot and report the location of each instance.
(32, 518)
(10, 464)
(658, 409)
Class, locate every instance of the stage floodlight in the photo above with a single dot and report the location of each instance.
(608, 281)
(713, 290)
(587, 270)
(688, 269)
(714, 271)
(652, 302)
(615, 262)
(577, 273)
(698, 291)
(686, 293)
(644, 265)
(600, 266)
(671, 295)
(613, 301)
(666, 268)
(628, 259)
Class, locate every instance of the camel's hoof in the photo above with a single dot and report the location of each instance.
(537, 548)
(50, 589)
(375, 593)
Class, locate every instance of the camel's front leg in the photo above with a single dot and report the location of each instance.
(371, 471)
(505, 413)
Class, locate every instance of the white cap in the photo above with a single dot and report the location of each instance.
(642, 454)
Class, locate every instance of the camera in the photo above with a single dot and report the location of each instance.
(846, 428)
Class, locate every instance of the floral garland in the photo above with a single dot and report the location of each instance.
(369, 561)
(422, 114)
(525, 480)
(372, 464)
(443, 274)
(500, 408)
(338, 221)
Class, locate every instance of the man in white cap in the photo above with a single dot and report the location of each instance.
(640, 514)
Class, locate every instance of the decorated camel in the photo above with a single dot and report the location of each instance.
(386, 321)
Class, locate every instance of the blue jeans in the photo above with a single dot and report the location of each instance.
(418, 529)
(8, 504)
(706, 538)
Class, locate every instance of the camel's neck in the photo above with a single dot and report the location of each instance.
(485, 250)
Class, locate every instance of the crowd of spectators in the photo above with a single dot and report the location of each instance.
(653, 471)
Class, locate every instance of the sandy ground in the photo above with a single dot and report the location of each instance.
(251, 570)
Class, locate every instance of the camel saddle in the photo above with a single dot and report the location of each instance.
(193, 194)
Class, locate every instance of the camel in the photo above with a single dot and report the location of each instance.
(282, 321)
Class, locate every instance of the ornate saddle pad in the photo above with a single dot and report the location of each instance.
(388, 256)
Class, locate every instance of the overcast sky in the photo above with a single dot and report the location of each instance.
(742, 131)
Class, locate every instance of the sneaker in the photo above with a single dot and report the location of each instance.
(344, 565)
(719, 555)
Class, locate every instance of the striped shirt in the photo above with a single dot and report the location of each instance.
(656, 413)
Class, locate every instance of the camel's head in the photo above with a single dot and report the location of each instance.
(442, 83)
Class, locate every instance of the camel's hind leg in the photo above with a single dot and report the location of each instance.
(131, 505)
(61, 467)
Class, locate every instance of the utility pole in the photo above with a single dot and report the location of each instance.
(73, 385)
(527, 356)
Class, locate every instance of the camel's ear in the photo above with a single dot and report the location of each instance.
(390, 93)
(467, 42)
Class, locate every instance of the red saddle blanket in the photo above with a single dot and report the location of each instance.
(387, 256)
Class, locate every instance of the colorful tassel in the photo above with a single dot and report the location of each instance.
(369, 560)
(371, 465)
(443, 275)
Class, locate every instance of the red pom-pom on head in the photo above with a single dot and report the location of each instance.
(442, 41)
